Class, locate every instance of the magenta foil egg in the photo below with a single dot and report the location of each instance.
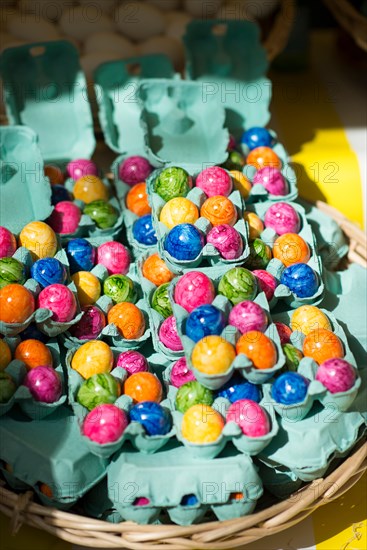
(168, 334)
(337, 375)
(44, 383)
(65, 217)
(272, 179)
(8, 244)
(181, 374)
(226, 240)
(105, 424)
(60, 300)
(90, 325)
(247, 316)
(132, 362)
(267, 282)
(134, 170)
(194, 289)
(214, 181)
(114, 256)
(282, 218)
(81, 167)
(250, 417)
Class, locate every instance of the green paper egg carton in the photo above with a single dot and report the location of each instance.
(96, 504)
(33, 409)
(241, 363)
(209, 255)
(168, 476)
(134, 433)
(25, 191)
(49, 451)
(228, 59)
(275, 267)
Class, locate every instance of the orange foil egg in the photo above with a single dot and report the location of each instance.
(291, 249)
(322, 344)
(155, 270)
(263, 156)
(128, 319)
(33, 353)
(259, 348)
(219, 210)
(54, 174)
(16, 304)
(143, 386)
(137, 200)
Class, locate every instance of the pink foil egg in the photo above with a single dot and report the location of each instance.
(105, 424)
(231, 143)
(272, 179)
(284, 332)
(337, 375)
(181, 374)
(194, 289)
(141, 501)
(114, 256)
(250, 417)
(168, 334)
(90, 325)
(134, 170)
(8, 244)
(282, 218)
(65, 217)
(247, 316)
(60, 300)
(81, 167)
(267, 282)
(132, 362)
(214, 181)
(44, 383)
(226, 240)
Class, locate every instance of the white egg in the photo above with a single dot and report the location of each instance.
(203, 9)
(167, 45)
(139, 21)
(91, 61)
(176, 24)
(31, 28)
(165, 5)
(83, 21)
(257, 9)
(47, 9)
(105, 5)
(109, 42)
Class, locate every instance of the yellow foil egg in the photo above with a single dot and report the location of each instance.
(5, 355)
(241, 183)
(179, 210)
(309, 318)
(90, 188)
(40, 239)
(256, 226)
(88, 287)
(94, 357)
(213, 355)
(201, 424)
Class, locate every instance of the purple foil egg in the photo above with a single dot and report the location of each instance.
(81, 167)
(282, 218)
(181, 374)
(90, 325)
(134, 170)
(267, 282)
(168, 334)
(44, 383)
(226, 240)
(272, 179)
(247, 316)
(132, 362)
(337, 375)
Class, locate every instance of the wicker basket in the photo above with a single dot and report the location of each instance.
(205, 536)
(279, 33)
(350, 19)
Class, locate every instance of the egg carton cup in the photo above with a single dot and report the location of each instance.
(211, 481)
(35, 455)
(279, 481)
(310, 445)
(134, 432)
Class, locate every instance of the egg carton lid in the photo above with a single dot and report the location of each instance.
(116, 84)
(25, 191)
(227, 56)
(45, 89)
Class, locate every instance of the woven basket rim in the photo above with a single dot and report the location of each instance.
(350, 19)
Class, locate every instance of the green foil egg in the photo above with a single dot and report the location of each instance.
(7, 387)
(161, 302)
(260, 255)
(99, 389)
(102, 213)
(235, 161)
(172, 182)
(238, 284)
(193, 393)
(293, 357)
(11, 271)
(120, 288)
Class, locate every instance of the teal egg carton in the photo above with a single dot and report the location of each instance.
(25, 191)
(22, 397)
(213, 483)
(44, 88)
(50, 451)
(96, 504)
(276, 267)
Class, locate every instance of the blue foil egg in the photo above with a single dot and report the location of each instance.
(300, 279)
(238, 388)
(144, 232)
(203, 321)
(290, 388)
(32, 333)
(48, 271)
(59, 193)
(184, 242)
(153, 417)
(189, 500)
(257, 137)
(81, 255)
